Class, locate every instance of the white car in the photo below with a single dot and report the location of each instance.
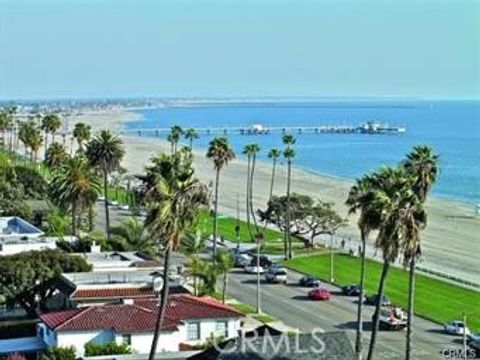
(474, 336)
(457, 328)
(276, 275)
(254, 269)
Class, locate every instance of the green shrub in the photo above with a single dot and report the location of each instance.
(59, 353)
(110, 348)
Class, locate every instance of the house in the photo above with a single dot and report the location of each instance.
(188, 320)
(110, 286)
(17, 235)
(275, 346)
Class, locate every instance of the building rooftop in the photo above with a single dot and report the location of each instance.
(16, 230)
(139, 315)
(113, 259)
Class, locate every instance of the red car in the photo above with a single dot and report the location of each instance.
(319, 294)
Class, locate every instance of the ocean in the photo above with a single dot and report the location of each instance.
(452, 128)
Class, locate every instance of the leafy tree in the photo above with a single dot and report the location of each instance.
(174, 197)
(55, 156)
(422, 167)
(105, 152)
(81, 133)
(59, 353)
(28, 276)
(224, 263)
(33, 185)
(75, 187)
(221, 153)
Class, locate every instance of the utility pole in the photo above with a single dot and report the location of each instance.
(464, 337)
(237, 227)
(259, 302)
(331, 260)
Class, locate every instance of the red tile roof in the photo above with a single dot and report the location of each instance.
(113, 293)
(139, 317)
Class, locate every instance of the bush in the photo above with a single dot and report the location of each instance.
(59, 353)
(110, 348)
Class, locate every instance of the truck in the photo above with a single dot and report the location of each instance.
(392, 318)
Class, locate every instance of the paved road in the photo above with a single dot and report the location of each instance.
(290, 304)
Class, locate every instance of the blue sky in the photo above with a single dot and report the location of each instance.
(112, 48)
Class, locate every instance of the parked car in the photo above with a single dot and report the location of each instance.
(276, 275)
(319, 294)
(473, 336)
(373, 299)
(351, 290)
(242, 260)
(456, 328)
(474, 349)
(309, 281)
(265, 262)
(254, 269)
(392, 318)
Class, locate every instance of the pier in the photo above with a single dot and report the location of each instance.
(369, 128)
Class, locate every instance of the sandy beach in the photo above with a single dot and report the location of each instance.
(451, 241)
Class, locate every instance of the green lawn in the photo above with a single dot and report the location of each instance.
(434, 299)
(250, 310)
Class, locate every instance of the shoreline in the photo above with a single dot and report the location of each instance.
(448, 219)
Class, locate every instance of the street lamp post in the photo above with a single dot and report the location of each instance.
(331, 259)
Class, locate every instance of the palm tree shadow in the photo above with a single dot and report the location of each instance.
(352, 325)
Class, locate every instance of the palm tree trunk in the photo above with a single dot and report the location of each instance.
(252, 212)
(376, 315)
(163, 305)
(107, 212)
(288, 238)
(90, 218)
(191, 143)
(272, 181)
(411, 293)
(215, 214)
(224, 290)
(247, 202)
(74, 220)
(359, 337)
(45, 145)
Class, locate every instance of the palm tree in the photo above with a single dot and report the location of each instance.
(55, 156)
(224, 263)
(75, 187)
(221, 153)
(173, 197)
(175, 134)
(50, 124)
(81, 133)
(289, 154)
(391, 197)
(248, 150)
(35, 142)
(133, 232)
(105, 152)
(5, 121)
(191, 134)
(273, 154)
(360, 198)
(422, 166)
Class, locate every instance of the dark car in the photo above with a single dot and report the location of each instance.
(373, 299)
(351, 290)
(309, 281)
(265, 262)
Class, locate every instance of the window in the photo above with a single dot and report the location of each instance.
(221, 329)
(193, 331)
(127, 339)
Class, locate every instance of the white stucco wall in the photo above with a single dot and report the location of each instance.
(10, 249)
(140, 342)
